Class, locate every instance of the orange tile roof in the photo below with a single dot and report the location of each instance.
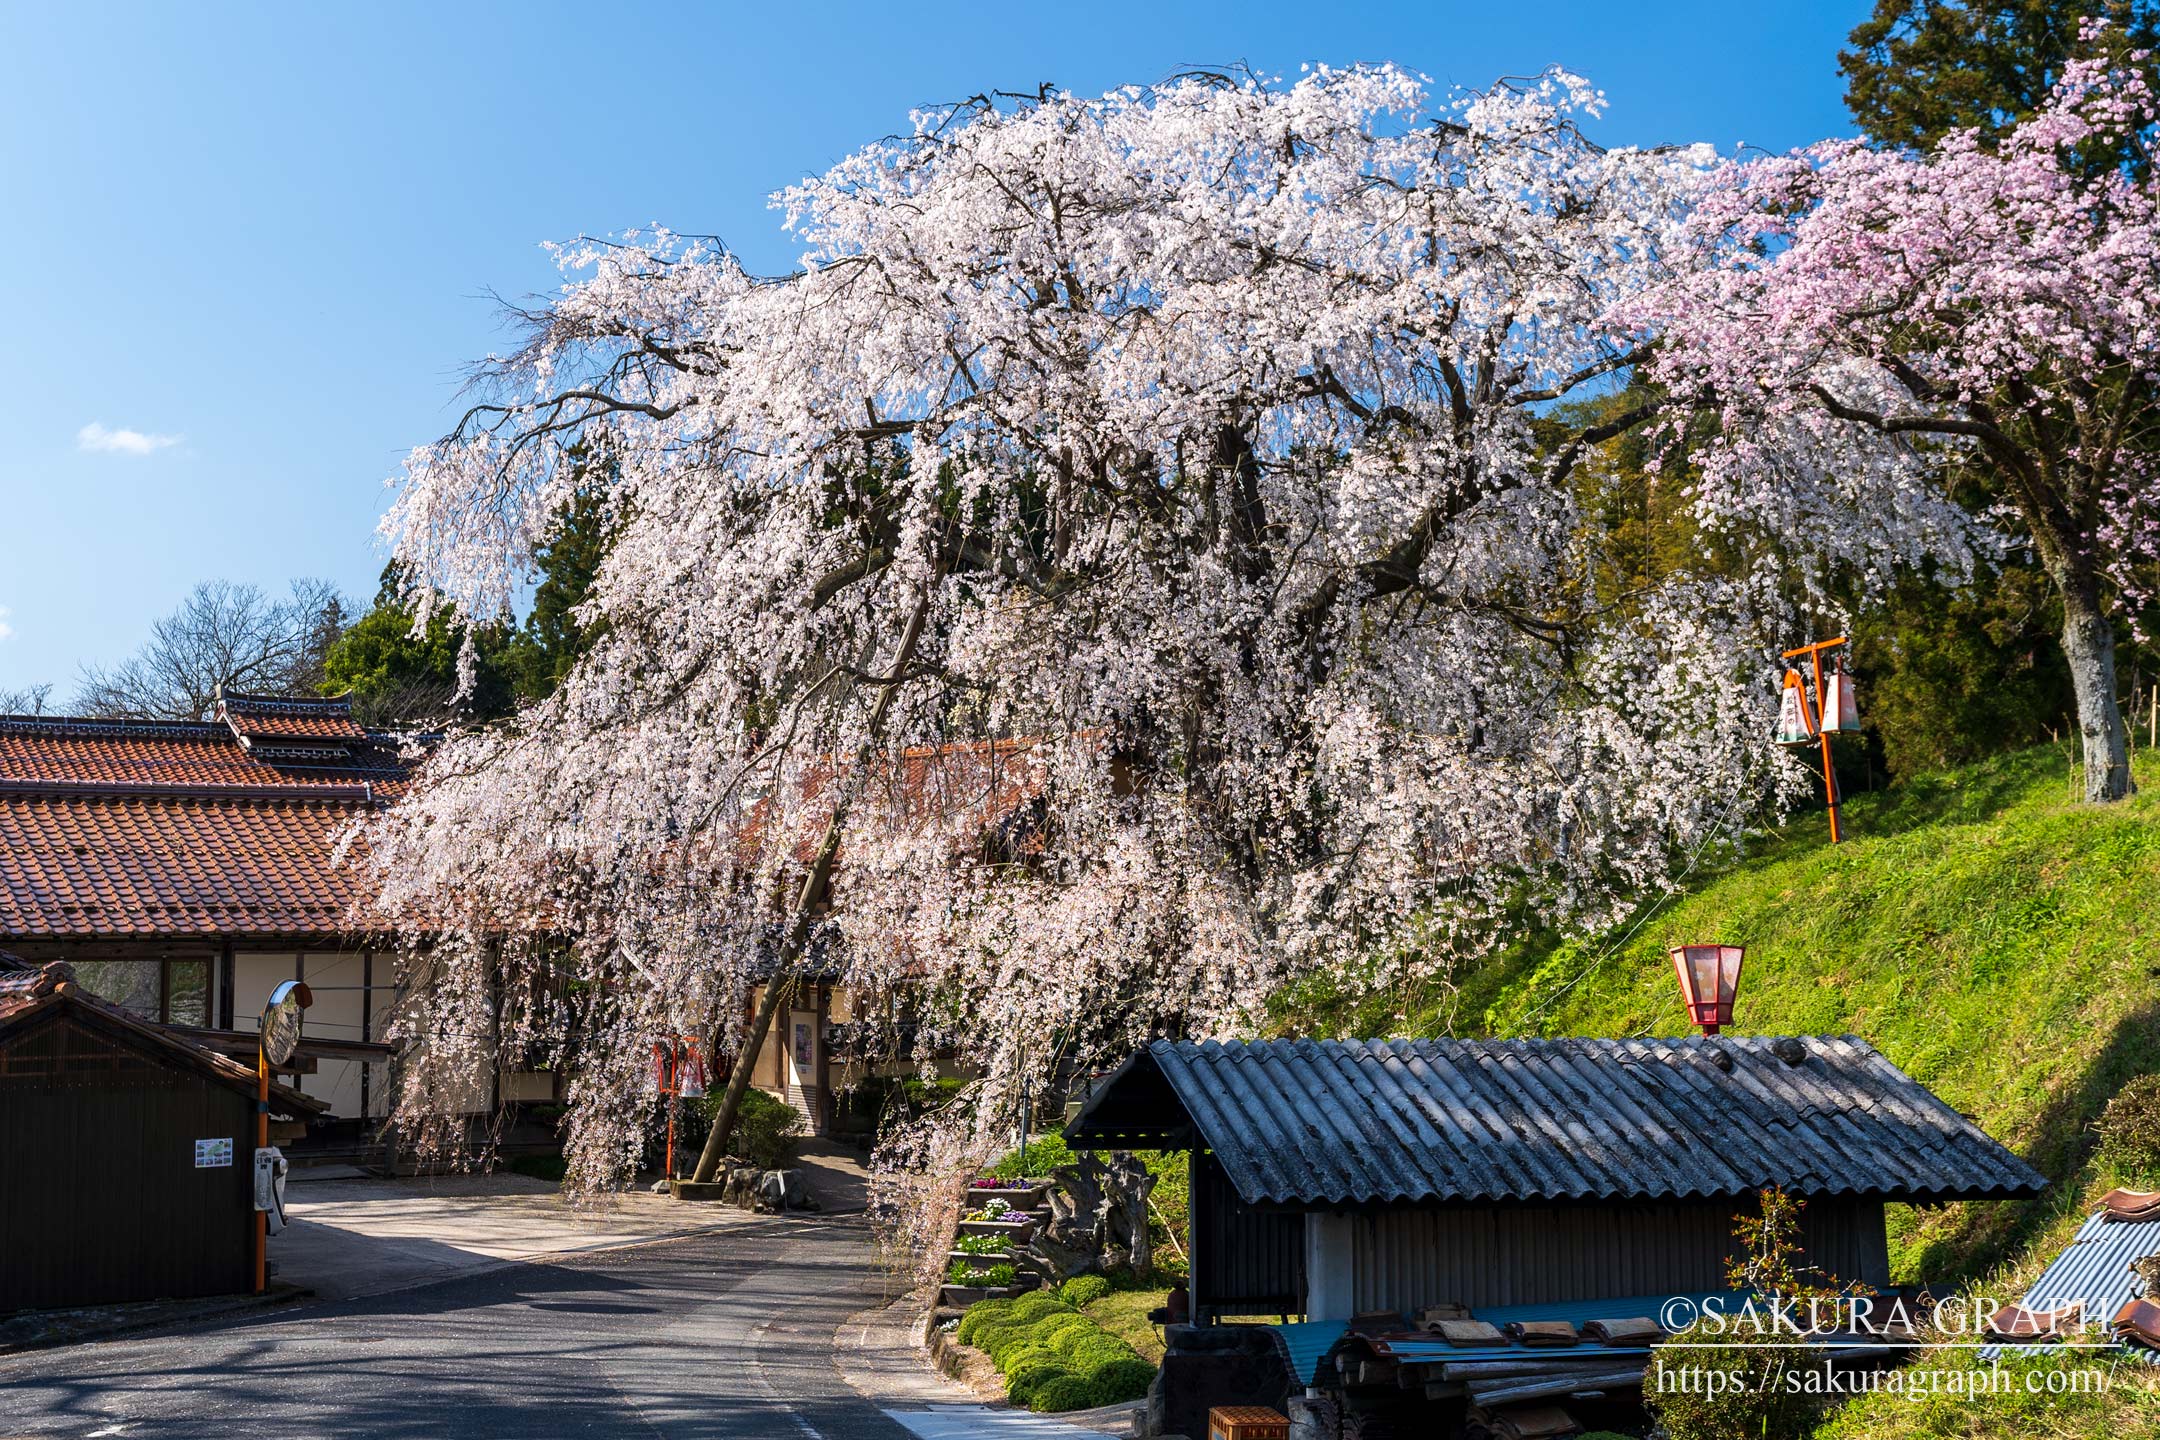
(280, 718)
(129, 828)
(163, 754)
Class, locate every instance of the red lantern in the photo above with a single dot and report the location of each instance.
(1709, 978)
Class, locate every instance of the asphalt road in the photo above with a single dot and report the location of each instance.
(720, 1335)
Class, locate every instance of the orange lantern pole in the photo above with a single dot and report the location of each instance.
(1814, 653)
(262, 1142)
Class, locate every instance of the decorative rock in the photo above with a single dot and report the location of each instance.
(779, 1190)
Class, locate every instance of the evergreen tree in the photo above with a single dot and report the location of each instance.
(1918, 69)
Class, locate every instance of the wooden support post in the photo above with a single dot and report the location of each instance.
(1193, 1163)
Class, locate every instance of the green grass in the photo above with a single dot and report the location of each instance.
(1994, 938)
(1124, 1314)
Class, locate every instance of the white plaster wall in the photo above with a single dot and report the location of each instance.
(335, 1015)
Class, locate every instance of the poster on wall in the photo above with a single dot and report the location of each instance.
(805, 1048)
(213, 1154)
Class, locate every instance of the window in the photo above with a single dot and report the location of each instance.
(176, 991)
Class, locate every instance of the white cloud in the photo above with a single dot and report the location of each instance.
(96, 437)
(7, 631)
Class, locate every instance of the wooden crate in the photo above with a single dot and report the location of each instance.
(1247, 1422)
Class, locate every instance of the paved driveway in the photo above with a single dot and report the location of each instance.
(721, 1336)
(354, 1237)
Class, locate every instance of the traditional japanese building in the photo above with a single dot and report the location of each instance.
(183, 869)
(125, 1151)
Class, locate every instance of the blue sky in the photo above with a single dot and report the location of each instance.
(253, 245)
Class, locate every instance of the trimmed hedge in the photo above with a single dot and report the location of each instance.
(1052, 1356)
(1030, 1308)
(978, 1317)
(1066, 1392)
(1083, 1290)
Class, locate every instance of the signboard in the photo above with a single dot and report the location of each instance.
(213, 1154)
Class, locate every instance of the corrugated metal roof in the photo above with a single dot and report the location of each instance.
(2093, 1268)
(1331, 1123)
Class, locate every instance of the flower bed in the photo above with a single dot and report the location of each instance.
(1018, 1195)
(963, 1297)
(1052, 1356)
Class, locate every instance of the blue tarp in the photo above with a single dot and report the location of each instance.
(1309, 1342)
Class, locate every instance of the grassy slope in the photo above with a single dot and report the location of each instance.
(1991, 937)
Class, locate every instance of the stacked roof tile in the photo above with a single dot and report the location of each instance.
(147, 828)
(1333, 1123)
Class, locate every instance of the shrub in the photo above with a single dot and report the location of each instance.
(1025, 1380)
(995, 1338)
(2130, 1127)
(981, 1315)
(1031, 1308)
(1121, 1380)
(766, 1130)
(1083, 1290)
(1073, 1337)
(1762, 1407)
(1051, 1328)
(1098, 1351)
(540, 1167)
(1066, 1392)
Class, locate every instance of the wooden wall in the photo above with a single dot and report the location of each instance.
(101, 1201)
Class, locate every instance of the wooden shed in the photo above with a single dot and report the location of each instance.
(129, 1153)
(1331, 1179)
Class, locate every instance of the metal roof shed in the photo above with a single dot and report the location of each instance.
(1331, 1177)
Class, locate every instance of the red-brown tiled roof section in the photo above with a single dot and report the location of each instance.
(174, 866)
(163, 755)
(282, 718)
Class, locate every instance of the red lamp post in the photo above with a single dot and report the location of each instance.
(1709, 978)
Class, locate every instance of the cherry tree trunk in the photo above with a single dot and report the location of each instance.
(2089, 644)
(787, 965)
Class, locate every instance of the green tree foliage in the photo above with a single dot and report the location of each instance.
(396, 676)
(1950, 676)
(551, 639)
(1918, 69)
(1947, 674)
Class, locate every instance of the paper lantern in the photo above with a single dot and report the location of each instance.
(1796, 717)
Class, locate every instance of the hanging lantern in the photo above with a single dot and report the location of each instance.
(1709, 979)
(1840, 708)
(1796, 718)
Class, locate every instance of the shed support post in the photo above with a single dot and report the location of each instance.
(1330, 1266)
(1195, 1161)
